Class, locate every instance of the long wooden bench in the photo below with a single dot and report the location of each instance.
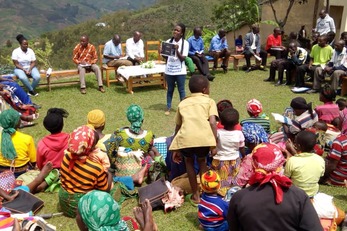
(58, 74)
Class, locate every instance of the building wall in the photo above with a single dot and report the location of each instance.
(338, 10)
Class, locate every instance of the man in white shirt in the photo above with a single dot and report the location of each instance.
(134, 48)
(324, 24)
(113, 56)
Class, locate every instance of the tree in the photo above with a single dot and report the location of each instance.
(281, 23)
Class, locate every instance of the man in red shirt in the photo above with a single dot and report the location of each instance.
(84, 55)
(274, 44)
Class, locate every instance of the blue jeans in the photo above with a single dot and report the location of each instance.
(17, 90)
(25, 80)
(222, 227)
(171, 80)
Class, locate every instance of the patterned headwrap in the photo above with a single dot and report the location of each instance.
(81, 144)
(210, 182)
(254, 133)
(8, 121)
(96, 118)
(254, 107)
(135, 117)
(267, 161)
(100, 212)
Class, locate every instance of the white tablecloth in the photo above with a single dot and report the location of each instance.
(133, 71)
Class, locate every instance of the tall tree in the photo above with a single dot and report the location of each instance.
(282, 22)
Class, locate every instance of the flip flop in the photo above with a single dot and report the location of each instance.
(54, 187)
(189, 199)
(52, 177)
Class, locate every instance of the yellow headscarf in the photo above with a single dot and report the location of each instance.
(96, 118)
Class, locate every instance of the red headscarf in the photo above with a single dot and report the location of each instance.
(254, 107)
(267, 160)
(81, 144)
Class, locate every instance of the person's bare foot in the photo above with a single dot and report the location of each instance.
(139, 176)
(196, 198)
(138, 213)
(148, 216)
(47, 168)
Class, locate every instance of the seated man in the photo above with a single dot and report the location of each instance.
(196, 53)
(274, 44)
(296, 57)
(113, 53)
(84, 55)
(252, 48)
(320, 55)
(335, 68)
(134, 48)
(219, 49)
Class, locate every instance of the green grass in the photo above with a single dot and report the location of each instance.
(239, 87)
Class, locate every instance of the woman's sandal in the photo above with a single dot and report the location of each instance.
(52, 177)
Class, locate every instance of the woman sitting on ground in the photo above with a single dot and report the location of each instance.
(88, 214)
(329, 110)
(25, 62)
(17, 149)
(254, 108)
(133, 138)
(79, 174)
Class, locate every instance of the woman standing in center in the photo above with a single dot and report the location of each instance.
(175, 71)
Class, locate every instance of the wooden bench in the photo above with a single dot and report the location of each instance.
(343, 85)
(58, 74)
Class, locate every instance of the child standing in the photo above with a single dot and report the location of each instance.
(212, 209)
(230, 144)
(195, 131)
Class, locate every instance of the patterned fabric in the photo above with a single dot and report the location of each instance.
(125, 138)
(96, 118)
(265, 123)
(68, 202)
(268, 160)
(339, 153)
(160, 145)
(254, 133)
(227, 170)
(8, 121)
(254, 107)
(100, 212)
(86, 54)
(80, 144)
(210, 182)
(135, 117)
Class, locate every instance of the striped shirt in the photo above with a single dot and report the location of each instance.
(83, 177)
(339, 153)
(212, 210)
(86, 54)
(265, 123)
(303, 121)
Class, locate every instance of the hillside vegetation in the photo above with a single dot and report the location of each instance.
(154, 22)
(34, 17)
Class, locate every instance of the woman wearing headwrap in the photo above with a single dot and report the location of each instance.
(254, 109)
(25, 62)
(51, 148)
(98, 211)
(254, 134)
(271, 195)
(17, 149)
(79, 174)
(132, 138)
(305, 117)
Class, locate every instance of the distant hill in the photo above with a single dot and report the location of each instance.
(34, 17)
(155, 22)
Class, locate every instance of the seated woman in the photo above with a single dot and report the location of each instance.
(329, 110)
(133, 138)
(25, 62)
(79, 174)
(304, 118)
(17, 149)
(254, 108)
(88, 214)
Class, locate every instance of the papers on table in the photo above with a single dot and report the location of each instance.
(282, 119)
(134, 71)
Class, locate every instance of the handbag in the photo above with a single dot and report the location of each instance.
(154, 192)
(24, 203)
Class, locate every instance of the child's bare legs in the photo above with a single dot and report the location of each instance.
(39, 184)
(189, 161)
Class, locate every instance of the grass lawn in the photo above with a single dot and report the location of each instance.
(239, 87)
